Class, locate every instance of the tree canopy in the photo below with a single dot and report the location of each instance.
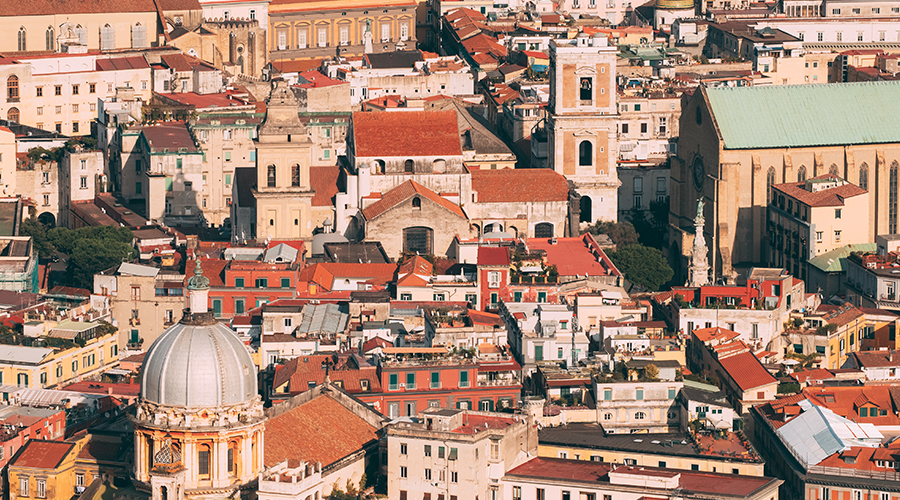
(90, 249)
(621, 233)
(642, 265)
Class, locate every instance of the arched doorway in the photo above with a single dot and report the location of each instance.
(586, 210)
(47, 219)
(543, 230)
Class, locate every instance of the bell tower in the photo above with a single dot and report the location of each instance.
(283, 193)
(582, 119)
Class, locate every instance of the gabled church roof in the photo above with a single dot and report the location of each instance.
(404, 192)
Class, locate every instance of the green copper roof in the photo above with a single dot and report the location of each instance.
(833, 261)
(807, 115)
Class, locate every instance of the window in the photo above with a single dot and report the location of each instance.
(820, 36)
(819, 235)
(540, 494)
(285, 282)
(624, 128)
(435, 380)
(454, 476)
(428, 474)
(403, 449)
(607, 394)
(585, 153)
(385, 32)
(517, 493)
(23, 487)
(864, 176)
(464, 378)
(837, 235)
(295, 175)
(639, 394)
(12, 88)
(672, 392)
(21, 39)
(405, 296)
(203, 459)
(441, 452)
(262, 283)
(79, 479)
(270, 176)
(323, 37)
(404, 31)
(411, 380)
(640, 415)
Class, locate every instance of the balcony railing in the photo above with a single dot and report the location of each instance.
(497, 382)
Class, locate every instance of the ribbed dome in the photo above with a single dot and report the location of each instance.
(193, 366)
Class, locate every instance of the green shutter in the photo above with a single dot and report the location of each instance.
(253, 155)
(464, 378)
(217, 307)
(228, 179)
(410, 380)
(435, 380)
(168, 184)
(392, 381)
(239, 282)
(285, 282)
(538, 353)
(238, 306)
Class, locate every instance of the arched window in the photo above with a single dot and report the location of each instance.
(408, 166)
(833, 170)
(270, 176)
(379, 166)
(21, 38)
(770, 180)
(107, 37)
(418, 240)
(585, 153)
(13, 115)
(233, 458)
(640, 415)
(586, 93)
(586, 214)
(295, 175)
(543, 230)
(203, 466)
(892, 198)
(417, 203)
(801, 174)
(138, 36)
(438, 166)
(864, 176)
(51, 40)
(12, 88)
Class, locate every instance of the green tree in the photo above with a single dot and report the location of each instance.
(621, 233)
(651, 372)
(38, 231)
(90, 256)
(642, 265)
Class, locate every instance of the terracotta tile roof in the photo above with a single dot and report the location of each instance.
(324, 273)
(843, 315)
(214, 269)
(578, 255)
(415, 265)
(56, 7)
(316, 79)
(816, 374)
(460, 13)
(493, 256)
(411, 134)
(42, 454)
(876, 359)
(323, 181)
(707, 334)
(296, 66)
(322, 430)
(485, 318)
(519, 185)
(484, 44)
(833, 197)
(375, 342)
(471, 423)
(746, 371)
(119, 63)
(406, 191)
(169, 136)
(845, 401)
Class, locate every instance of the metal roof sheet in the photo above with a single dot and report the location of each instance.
(326, 319)
(807, 115)
(833, 261)
(818, 432)
(11, 354)
(137, 269)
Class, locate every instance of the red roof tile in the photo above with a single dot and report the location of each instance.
(404, 192)
(716, 333)
(214, 269)
(578, 255)
(323, 181)
(43, 454)
(519, 185)
(493, 256)
(322, 430)
(55, 7)
(746, 371)
(833, 197)
(875, 359)
(410, 134)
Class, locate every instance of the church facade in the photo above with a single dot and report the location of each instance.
(736, 143)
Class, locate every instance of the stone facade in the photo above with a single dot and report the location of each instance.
(582, 122)
(82, 175)
(283, 193)
(237, 46)
(638, 406)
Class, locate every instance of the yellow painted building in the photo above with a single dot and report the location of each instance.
(48, 368)
(588, 442)
(29, 29)
(323, 28)
(43, 469)
(858, 330)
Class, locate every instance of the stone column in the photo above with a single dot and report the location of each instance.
(139, 457)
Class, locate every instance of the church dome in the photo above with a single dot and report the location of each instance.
(198, 363)
(193, 366)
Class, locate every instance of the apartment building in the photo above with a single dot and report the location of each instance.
(675, 450)
(60, 92)
(633, 400)
(806, 219)
(557, 478)
(542, 331)
(82, 175)
(145, 300)
(303, 30)
(648, 121)
(456, 453)
(48, 368)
